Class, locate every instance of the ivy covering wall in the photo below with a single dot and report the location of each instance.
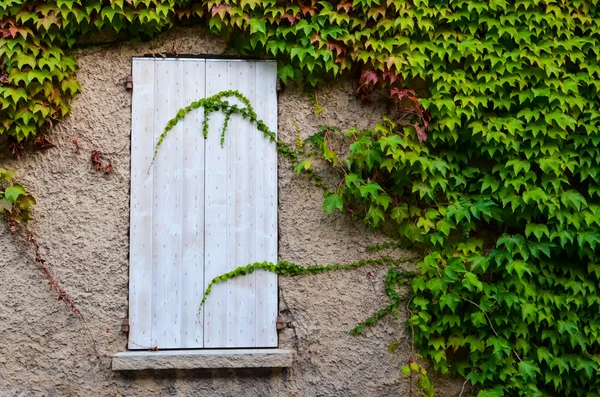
(493, 169)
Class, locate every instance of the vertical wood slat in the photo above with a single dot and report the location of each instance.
(167, 211)
(192, 271)
(266, 208)
(241, 134)
(215, 257)
(140, 249)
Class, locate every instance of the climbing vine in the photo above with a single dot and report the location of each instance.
(216, 103)
(15, 203)
(507, 293)
(493, 172)
(498, 297)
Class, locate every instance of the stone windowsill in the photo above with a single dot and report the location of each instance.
(202, 359)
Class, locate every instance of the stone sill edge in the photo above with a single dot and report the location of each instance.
(202, 359)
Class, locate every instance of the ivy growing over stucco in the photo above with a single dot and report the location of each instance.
(498, 297)
(492, 169)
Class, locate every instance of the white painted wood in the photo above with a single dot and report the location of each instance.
(167, 211)
(203, 209)
(215, 256)
(266, 207)
(241, 135)
(192, 270)
(140, 248)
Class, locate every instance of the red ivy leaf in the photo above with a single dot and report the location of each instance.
(368, 78)
(291, 18)
(221, 10)
(391, 76)
(309, 10)
(420, 133)
(315, 38)
(340, 49)
(97, 160)
(346, 6)
(109, 169)
(43, 142)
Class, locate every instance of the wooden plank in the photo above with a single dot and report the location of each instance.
(140, 248)
(215, 258)
(241, 330)
(192, 277)
(266, 208)
(167, 211)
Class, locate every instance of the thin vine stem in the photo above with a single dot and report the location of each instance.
(217, 103)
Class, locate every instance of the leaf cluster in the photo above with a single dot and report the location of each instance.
(15, 203)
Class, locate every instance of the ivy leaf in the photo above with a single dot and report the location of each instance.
(7, 175)
(530, 311)
(6, 205)
(561, 364)
(370, 189)
(491, 393)
(437, 286)
(24, 59)
(286, 73)
(589, 238)
(450, 300)
(257, 26)
(568, 326)
(510, 242)
(39, 75)
(538, 230)
(353, 180)
(304, 165)
(418, 284)
(12, 193)
(390, 142)
(109, 13)
(332, 202)
(372, 157)
(478, 319)
(71, 86)
(471, 282)
(528, 369)
(444, 226)
(375, 214)
(518, 266)
(400, 213)
(588, 366)
(573, 198)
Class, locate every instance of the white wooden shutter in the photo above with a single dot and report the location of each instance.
(203, 209)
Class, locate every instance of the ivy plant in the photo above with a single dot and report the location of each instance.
(15, 203)
(506, 294)
(492, 169)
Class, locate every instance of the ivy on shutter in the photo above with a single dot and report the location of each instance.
(203, 209)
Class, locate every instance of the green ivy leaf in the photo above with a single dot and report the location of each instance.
(12, 193)
(333, 202)
(528, 369)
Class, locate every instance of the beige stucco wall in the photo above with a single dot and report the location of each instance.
(81, 222)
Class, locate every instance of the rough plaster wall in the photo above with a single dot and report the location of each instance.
(82, 225)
